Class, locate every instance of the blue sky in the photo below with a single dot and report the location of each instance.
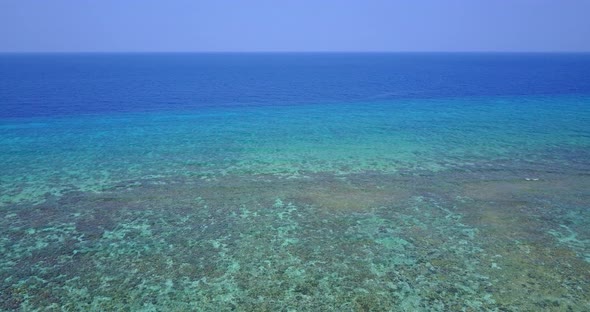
(303, 25)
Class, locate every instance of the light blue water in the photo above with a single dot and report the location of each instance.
(89, 152)
(288, 181)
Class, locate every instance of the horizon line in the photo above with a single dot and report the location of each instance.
(296, 52)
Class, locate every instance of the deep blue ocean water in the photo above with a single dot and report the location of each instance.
(73, 84)
(326, 181)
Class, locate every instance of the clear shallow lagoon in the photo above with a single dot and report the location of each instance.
(359, 182)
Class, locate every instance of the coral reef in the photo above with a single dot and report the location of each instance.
(262, 243)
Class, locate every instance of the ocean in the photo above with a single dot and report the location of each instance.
(295, 182)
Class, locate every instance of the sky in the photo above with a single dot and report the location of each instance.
(298, 25)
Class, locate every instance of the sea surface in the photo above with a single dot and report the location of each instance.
(295, 182)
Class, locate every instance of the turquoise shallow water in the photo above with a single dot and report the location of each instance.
(348, 199)
(470, 203)
(92, 152)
